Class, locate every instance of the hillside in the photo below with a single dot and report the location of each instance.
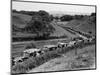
(70, 61)
(21, 20)
(59, 31)
(85, 24)
(54, 29)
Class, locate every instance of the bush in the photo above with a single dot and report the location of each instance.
(33, 62)
(19, 68)
(78, 17)
(66, 18)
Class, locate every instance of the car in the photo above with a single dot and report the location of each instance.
(71, 43)
(61, 44)
(50, 47)
(18, 60)
(27, 52)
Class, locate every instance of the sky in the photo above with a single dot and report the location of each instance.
(53, 8)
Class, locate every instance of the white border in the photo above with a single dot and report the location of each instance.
(5, 37)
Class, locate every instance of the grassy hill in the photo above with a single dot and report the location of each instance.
(59, 31)
(20, 20)
(69, 61)
(85, 24)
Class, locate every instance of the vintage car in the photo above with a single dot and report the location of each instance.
(49, 47)
(30, 51)
(71, 43)
(61, 44)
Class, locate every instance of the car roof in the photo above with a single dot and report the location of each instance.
(32, 50)
(49, 46)
(61, 43)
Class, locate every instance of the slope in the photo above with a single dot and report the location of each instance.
(69, 61)
(20, 21)
(85, 25)
(59, 31)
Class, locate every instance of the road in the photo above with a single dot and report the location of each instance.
(74, 31)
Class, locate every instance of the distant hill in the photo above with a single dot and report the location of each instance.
(61, 13)
(85, 24)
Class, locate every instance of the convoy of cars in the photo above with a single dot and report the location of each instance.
(34, 52)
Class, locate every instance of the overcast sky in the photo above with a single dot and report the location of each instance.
(53, 8)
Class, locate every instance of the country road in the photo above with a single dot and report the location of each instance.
(73, 31)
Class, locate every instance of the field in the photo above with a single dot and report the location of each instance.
(19, 47)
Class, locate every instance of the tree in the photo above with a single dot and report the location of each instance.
(78, 17)
(93, 14)
(45, 15)
(92, 18)
(40, 24)
(66, 18)
(56, 17)
(51, 17)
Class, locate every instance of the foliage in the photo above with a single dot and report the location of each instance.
(78, 17)
(33, 62)
(93, 14)
(40, 24)
(70, 17)
(66, 18)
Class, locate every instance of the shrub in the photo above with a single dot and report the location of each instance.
(33, 62)
(19, 68)
(66, 18)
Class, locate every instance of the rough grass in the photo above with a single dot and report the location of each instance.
(20, 19)
(33, 62)
(69, 61)
(19, 47)
(80, 25)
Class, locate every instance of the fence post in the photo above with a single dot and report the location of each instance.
(76, 51)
